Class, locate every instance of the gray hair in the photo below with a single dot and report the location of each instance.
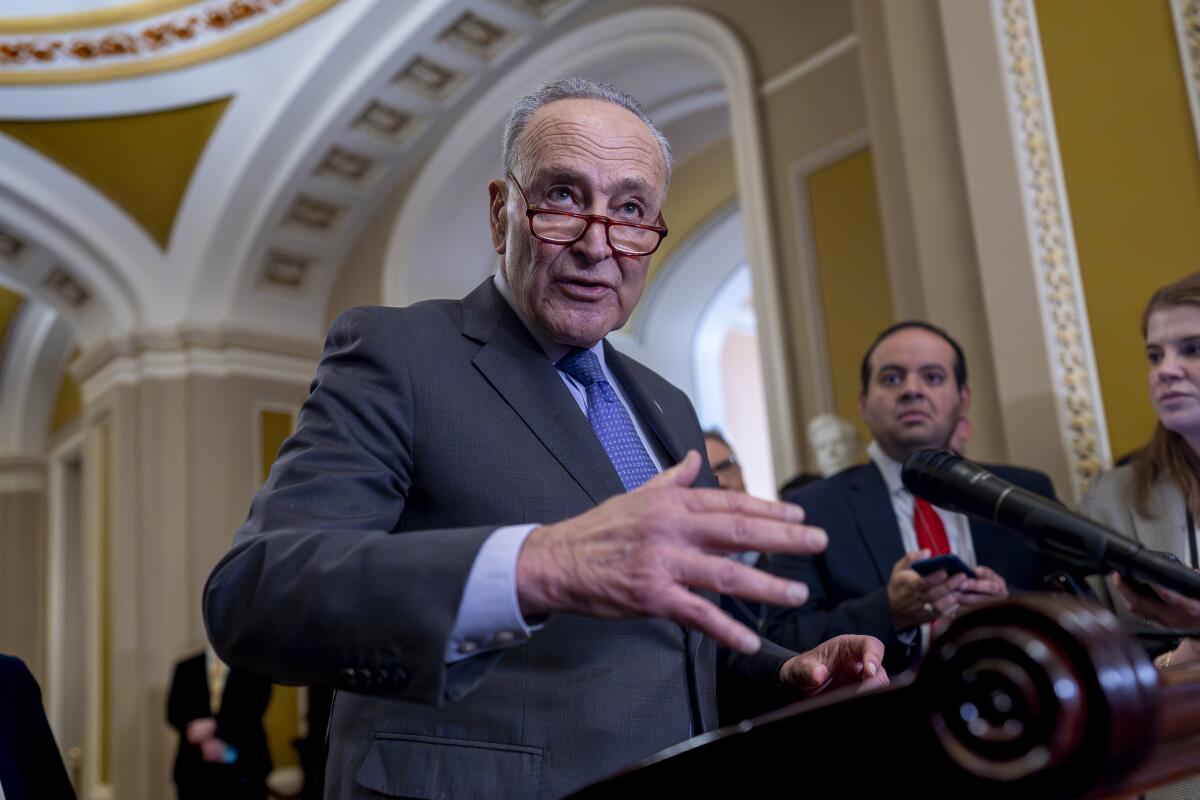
(573, 88)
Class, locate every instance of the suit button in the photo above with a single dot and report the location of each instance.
(348, 677)
(399, 676)
(504, 637)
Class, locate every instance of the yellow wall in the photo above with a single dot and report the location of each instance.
(68, 404)
(852, 271)
(699, 187)
(1133, 179)
(282, 719)
(9, 303)
(142, 162)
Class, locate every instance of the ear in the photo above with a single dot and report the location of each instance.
(964, 395)
(498, 214)
(862, 405)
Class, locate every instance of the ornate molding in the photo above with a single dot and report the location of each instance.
(86, 52)
(1185, 15)
(1048, 219)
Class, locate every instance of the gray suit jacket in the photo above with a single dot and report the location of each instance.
(428, 427)
(1110, 501)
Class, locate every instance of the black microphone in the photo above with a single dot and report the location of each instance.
(956, 484)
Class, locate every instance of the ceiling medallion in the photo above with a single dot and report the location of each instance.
(167, 41)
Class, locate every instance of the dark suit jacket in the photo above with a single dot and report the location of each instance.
(427, 428)
(239, 723)
(30, 765)
(848, 582)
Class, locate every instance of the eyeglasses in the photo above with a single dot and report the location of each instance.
(729, 463)
(564, 227)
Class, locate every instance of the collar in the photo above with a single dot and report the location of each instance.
(889, 468)
(553, 350)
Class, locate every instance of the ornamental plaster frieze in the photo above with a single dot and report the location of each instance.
(1048, 219)
(1185, 14)
(87, 46)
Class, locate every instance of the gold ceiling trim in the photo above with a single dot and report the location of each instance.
(235, 42)
(98, 18)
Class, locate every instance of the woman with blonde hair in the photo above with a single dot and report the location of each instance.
(1155, 498)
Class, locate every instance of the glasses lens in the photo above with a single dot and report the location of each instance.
(633, 240)
(558, 227)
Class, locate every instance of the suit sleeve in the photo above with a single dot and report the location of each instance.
(320, 587)
(822, 617)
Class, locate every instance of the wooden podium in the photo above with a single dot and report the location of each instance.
(1039, 696)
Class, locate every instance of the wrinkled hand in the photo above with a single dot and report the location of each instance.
(213, 749)
(986, 586)
(914, 599)
(637, 554)
(841, 661)
(1171, 609)
(200, 729)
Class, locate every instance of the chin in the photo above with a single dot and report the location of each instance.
(580, 327)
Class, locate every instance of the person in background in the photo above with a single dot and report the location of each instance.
(218, 712)
(723, 462)
(1155, 497)
(31, 767)
(914, 394)
(962, 435)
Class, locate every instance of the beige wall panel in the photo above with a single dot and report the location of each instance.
(1134, 191)
(23, 577)
(1008, 251)
(855, 290)
(183, 469)
(802, 119)
(923, 198)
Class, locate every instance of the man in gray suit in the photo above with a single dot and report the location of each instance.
(477, 532)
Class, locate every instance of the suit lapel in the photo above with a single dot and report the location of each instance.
(871, 508)
(520, 372)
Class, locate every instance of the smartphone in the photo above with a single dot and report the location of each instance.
(949, 563)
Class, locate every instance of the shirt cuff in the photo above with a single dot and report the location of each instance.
(489, 616)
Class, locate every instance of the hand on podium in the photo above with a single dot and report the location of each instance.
(841, 661)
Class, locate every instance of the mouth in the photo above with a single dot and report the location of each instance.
(912, 417)
(1167, 397)
(583, 289)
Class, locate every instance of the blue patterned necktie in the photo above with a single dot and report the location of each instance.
(610, 419)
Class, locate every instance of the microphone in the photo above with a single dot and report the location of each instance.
(956, 484)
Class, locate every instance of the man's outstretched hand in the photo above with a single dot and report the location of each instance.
(637, 554)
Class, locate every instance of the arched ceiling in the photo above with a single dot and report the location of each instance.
(217, 178)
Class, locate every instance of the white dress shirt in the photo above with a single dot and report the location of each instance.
(958, 527)
(489, 616)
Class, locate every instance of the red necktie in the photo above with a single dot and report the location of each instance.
(931, 533)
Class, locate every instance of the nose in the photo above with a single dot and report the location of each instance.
(1170, 368)
(593, 245)
(913, 386)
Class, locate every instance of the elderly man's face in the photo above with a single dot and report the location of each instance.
(586, 157)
